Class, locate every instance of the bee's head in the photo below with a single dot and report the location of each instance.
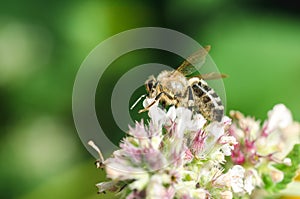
(151, 85)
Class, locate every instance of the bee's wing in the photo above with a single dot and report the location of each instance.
(212, 75)
(187, 68)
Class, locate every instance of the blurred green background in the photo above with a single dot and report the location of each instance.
(42, 44)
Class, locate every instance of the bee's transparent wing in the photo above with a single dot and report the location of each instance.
(187, 68)
(212, 75)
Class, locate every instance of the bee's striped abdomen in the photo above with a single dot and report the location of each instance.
(210, 104)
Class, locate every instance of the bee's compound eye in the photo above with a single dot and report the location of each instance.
(149, 85)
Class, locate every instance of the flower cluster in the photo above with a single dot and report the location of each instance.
(261, 149)
(179, 154)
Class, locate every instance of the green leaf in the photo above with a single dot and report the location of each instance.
(289, 172)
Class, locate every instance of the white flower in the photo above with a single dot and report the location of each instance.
(249, 184)
(171, 114)
(289, 137)
(260, 147)
(228, 144)
(118, 169)
(237, 176)
(252, 180)
(218, 156)
(183, 117)
(226, 195)
(188, 190)
(200, 194)
(226, 149)
(228, 139)
(156, 141)
(141, 181)
(279, 133)
(187, 122)
(157, 190)
(224, 180)
(278, 117)
(178, 155)
(250, 128)
(214, 131)
(198, 121)
(157, 115)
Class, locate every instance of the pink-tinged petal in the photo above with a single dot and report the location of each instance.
(237, 155)
(136, 195)
(188, 156)
(154, 159)
(169, 193)
(198, 142)
(139, 131)
(250, 127)
(177, 152)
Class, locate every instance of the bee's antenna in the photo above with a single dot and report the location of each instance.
(92, 144)
(137, 101)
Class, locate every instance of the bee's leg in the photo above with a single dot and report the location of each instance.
(157, 98)
(191, 102)
(174, 100)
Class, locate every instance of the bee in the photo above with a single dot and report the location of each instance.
(179, 88)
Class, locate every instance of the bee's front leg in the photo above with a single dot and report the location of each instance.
(157, 98)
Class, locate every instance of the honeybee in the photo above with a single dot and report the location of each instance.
(175, 88)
